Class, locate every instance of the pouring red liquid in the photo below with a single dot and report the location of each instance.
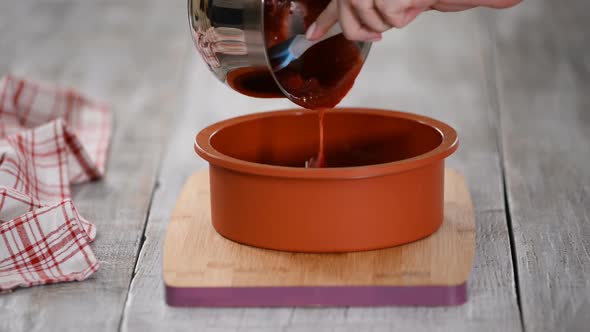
(320, 160)
(321, 78)
(318, 80)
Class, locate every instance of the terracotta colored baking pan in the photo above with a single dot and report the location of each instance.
(384, 185)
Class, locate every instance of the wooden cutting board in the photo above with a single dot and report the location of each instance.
(202, 268)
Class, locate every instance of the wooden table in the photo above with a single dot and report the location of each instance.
(516, 85)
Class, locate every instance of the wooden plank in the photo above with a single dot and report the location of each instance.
(424, 69)
(544, 79)
(128, 54)
(231, 264)
(197, 260)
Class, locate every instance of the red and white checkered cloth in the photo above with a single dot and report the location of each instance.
(49, 139)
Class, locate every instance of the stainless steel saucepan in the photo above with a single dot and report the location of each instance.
(229, 35)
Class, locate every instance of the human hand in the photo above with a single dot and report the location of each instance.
(365, 20)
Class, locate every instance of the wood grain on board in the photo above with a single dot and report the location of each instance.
(196, 256)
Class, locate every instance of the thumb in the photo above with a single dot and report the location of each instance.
(324, 22)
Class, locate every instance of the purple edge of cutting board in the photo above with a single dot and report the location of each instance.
(316, 296)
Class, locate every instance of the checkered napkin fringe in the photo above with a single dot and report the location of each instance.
(49, 139)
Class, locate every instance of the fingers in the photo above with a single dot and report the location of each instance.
(458, 5)
(392, 12)
(368, 15)
(410, 15)
(352, 27)
(497, 4)
(442, 7)
(324, 22)
(365, 20)
(500, 4)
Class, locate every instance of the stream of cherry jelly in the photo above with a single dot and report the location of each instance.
(320, 160)
(319, 79)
